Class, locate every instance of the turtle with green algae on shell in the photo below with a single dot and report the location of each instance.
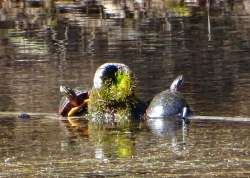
(112, 96)
(169, 103)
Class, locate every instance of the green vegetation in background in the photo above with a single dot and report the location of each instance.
(179, 9)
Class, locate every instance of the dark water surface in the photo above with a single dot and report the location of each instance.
(52, 43)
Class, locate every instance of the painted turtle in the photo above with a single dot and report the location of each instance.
(73, 102)
(169, 102)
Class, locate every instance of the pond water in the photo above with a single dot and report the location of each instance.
(45, 44)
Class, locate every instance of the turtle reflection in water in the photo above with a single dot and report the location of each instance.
(169, 102)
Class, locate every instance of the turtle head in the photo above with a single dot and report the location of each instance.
(69, 93)
(177, 84)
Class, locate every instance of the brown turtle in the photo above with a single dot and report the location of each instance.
(74, 101)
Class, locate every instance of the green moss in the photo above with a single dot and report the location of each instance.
(115, 101)
(101, 110)
(114, 94)
(117, 90)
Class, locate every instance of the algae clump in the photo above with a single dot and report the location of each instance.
(117, 90)
(115, 98)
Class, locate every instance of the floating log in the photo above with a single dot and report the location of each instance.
(221, 118)
(195, 118)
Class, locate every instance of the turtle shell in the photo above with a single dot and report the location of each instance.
(65, 104)
(166, 104)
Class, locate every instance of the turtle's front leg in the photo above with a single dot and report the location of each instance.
(75, 110)
(185, 113)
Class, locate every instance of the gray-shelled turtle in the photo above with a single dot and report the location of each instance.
(169, 102)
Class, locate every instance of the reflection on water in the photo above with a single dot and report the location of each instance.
(49, 147)
(46, 43)
(172, 128)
